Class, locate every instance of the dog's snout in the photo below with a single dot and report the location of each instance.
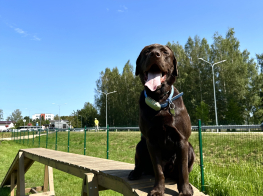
(156, 54)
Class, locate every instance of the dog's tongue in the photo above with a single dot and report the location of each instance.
(154, 80)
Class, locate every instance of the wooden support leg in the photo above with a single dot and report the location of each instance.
(48, 180)
(12, 188)
(90, 185)
(21, 175)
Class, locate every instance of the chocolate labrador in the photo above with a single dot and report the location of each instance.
(165, 125)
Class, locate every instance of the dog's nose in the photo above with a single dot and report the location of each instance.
(156, 54)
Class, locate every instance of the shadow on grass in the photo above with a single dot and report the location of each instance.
(5, 191)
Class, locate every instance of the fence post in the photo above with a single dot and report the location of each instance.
(68, 137)
(39, 138)
(24, 138)
(33, 136)
(20, 136)
(56, 144)
(201, 156)
(85, 140)
(27, 136)
(107, 141)
(47, 138)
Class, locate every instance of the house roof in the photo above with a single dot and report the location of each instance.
(5, 122)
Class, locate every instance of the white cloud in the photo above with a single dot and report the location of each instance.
(123, 8)
(18, 30)
(36, 38)
(22, 32)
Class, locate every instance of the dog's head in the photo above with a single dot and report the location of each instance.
(157, 67)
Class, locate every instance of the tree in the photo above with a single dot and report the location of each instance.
(122, 107)
(56, 117)
(234, 78)
(260, 61)
(15, 116)
(202, 112)
(238, 85)
(88, 114)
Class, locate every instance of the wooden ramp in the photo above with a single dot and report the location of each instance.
(97, 174)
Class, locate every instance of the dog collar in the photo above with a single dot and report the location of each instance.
(156, 105)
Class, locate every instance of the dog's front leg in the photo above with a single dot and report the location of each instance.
(159, 186)
(184, 187)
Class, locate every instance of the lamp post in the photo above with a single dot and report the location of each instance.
(106, 102)
(59, 112)
(212, 65)
(24, 122)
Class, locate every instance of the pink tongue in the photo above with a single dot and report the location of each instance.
(154, 80)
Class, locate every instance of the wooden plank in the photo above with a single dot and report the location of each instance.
(45, 179)
(51, 180)
(12, 187)
(21, 175)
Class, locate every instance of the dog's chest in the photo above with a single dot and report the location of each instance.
(161, 131)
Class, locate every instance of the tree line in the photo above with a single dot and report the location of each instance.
(238, 86)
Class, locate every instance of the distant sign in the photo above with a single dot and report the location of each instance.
(36, 124)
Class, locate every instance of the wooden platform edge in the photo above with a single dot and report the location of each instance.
(91, 178)
(15, 161)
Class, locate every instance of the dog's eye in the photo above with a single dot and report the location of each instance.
(147, 52)
(165, 52)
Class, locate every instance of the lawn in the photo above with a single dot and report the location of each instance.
(233, 162)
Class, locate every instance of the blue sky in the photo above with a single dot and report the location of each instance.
(54, 51)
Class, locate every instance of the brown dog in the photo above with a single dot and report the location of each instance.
(164, 148)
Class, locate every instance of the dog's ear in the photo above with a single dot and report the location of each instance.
(175, 71)
(138, 65)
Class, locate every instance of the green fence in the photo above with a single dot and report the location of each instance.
(232, 161)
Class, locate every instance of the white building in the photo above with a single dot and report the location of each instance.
(45, 116)
(4, 125)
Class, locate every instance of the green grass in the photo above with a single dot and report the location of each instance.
(5, 135)
(233, 162)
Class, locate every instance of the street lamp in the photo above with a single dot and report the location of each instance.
(106, 102)
(212, 65)
(24, 122)
(59, 113)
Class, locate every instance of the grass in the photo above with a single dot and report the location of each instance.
(5, 135)
(233, 162)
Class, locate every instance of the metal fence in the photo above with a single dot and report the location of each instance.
(232, 154)
(232, 158)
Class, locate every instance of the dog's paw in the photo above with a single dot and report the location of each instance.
(157, 191)
(134, 175)
(188, 192)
